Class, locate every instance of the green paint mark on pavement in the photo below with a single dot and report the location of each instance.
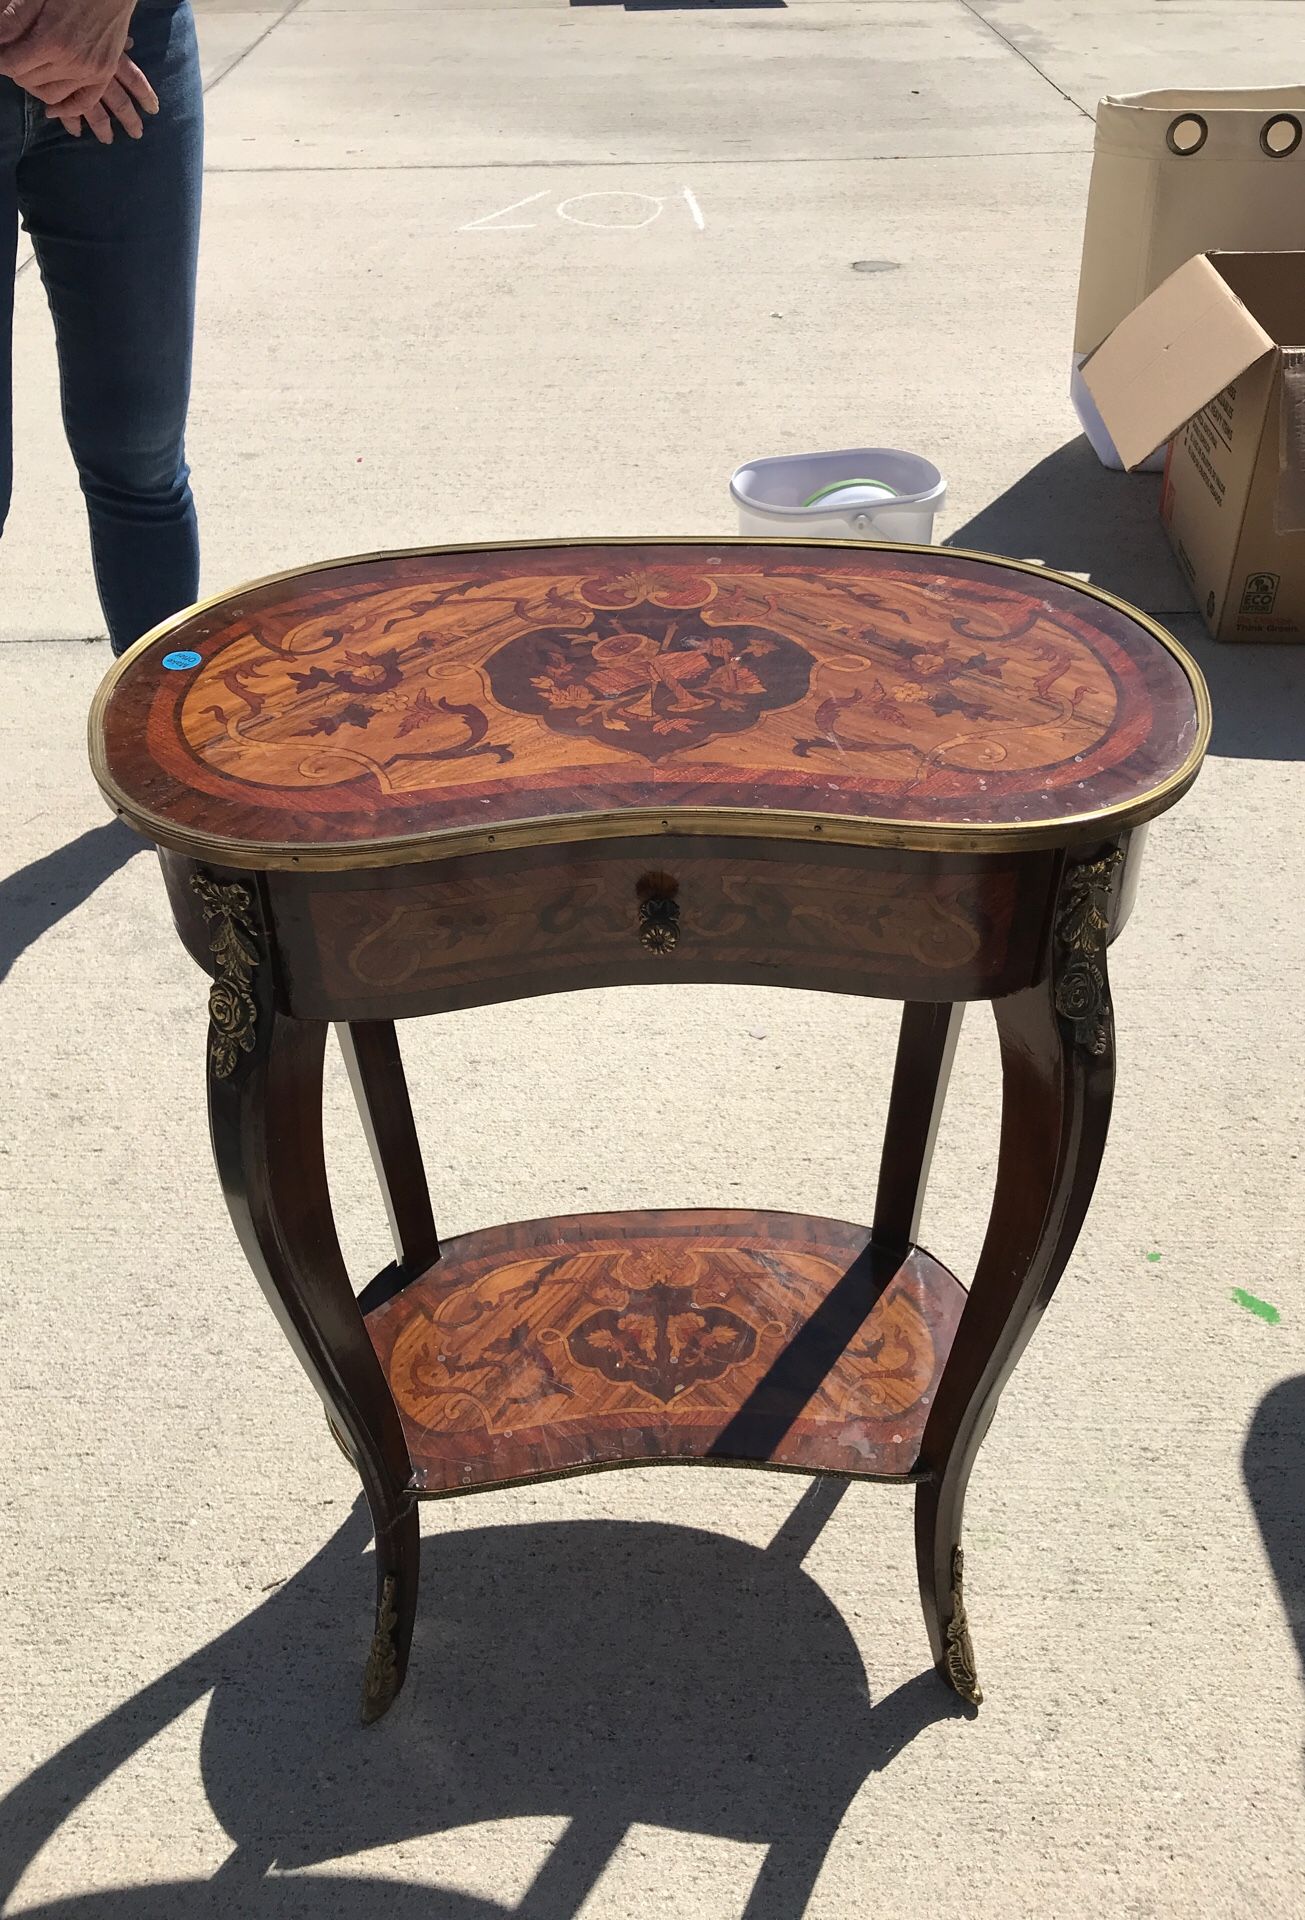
(1153, 1256)
(1260, 1308)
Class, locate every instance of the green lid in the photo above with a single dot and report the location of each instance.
(881, 488)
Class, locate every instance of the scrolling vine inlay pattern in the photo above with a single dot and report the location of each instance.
(549, 1345)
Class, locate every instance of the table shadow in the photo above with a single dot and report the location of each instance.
(41, 894)
(1257, 694)
(323, 1897)
(1273, 1463)
(602, 1672)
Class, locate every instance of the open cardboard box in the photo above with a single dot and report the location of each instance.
(1209, 363)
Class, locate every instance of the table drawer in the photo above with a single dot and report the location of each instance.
(470, 932)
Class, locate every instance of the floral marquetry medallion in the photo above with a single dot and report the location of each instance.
(662, 1339)
(461, 693)
(674, 685)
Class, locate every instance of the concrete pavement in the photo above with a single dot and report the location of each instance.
(437, 304)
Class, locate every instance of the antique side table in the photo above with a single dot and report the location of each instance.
(392, 786)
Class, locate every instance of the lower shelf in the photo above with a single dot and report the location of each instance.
(556, 1346)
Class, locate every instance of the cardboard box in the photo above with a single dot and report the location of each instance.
(1175, 173)
(1208, 362)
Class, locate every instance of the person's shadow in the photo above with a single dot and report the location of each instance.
(1273, 1463)
(601, 1671)
(41, 894)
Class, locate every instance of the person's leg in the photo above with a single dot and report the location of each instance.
(116, 233)
(13, 123)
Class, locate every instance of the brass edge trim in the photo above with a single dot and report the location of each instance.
(370, 856)
(840, 829)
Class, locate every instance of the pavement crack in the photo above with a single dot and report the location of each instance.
(1018, 50)
(643, 166)
(253, 46)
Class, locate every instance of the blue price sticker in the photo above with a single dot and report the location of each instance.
(180, 662)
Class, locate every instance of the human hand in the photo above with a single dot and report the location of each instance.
(127, 92)
(65, 52)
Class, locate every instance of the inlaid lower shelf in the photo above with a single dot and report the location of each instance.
(553, 1346)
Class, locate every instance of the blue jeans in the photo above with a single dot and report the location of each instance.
(116, 232)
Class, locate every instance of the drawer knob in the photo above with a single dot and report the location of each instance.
(659, 912)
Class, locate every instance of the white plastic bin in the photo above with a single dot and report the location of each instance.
(816, 496)
(1095, 427)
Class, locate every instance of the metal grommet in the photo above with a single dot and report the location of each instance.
(1187, 134)
(1281, 123)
